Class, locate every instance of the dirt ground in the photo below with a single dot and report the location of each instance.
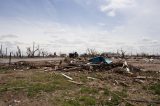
(42, 85)
(6, 60)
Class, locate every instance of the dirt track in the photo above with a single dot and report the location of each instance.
(6, 60)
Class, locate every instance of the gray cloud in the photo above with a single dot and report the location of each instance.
(9, 36)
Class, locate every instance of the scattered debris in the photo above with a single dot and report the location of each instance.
(139, 81)
(17, 101)
(121, 76)
(149, 60)
(116, 82)
(124, 84)
(56, 67)
(127, 70)
(125, 64)
(126, 67)
(98, 60)
(110, 98)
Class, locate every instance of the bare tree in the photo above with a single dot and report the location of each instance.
(19, 53)
(123, 53)
(91, 52)
(34, 50)
(31, 53)
(44, 53)
(6, 51)
(38, 51)
(1, 51)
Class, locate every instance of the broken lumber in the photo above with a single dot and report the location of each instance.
(67, 76)
(92, 78)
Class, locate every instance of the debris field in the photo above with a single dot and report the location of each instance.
(80, 81)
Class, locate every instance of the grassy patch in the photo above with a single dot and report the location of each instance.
(128, 104)
(115, 100)
(14, 85)
(38, 82)
(83, 78)
(121, 93)
(106, 91)
(152, 104)
(4, 70)
(156, 88)
(71, 103)
(33, 89)
(87, 100)
(116, 97)
(88, 90)
(42, 77)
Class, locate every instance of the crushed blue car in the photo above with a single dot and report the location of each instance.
(100, 59)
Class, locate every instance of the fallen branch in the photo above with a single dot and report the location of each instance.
(78, 83)
(92, 78)
(124, 84)
(74, 68)
(145, 77)
(138, 80)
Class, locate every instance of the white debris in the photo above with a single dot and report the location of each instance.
(125, 64)
(21, 70)
(127, 69)
(151, 60)
(91, 78)
(28, 68)
(17, 101)
(67, 76)
(56, 67)
(109, 98)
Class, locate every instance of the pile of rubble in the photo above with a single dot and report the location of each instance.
(79, 64)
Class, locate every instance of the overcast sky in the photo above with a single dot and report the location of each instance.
(75, 25)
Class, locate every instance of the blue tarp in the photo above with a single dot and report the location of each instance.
(99, 59)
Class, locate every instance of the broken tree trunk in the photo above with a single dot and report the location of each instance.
(10, 56)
